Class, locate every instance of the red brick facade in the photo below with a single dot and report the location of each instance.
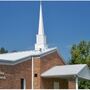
(43, 64)
(14, 73)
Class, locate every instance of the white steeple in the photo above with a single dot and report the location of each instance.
(40, 37)
(41, 26)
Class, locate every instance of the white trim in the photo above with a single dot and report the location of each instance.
(76, 83)
(24, 84)
(2, 77)
(32, 73)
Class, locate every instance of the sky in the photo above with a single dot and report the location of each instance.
(65, 24)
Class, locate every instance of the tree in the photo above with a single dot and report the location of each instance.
(3, 50)
(80, 54)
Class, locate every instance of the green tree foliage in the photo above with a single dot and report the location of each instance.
(80, 54)
(3, 50)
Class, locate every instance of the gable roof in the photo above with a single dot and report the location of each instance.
(14, 57)
(68, 71)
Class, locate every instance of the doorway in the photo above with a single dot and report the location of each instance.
(23, 84)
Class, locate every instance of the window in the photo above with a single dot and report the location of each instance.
(35, 75)
(23, 84)
(56, 85)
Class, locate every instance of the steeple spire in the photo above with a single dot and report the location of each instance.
(41, 26)
(40, 37)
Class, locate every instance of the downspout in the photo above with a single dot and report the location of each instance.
(32, 73)
(76, 82)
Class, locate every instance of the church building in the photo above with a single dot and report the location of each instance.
(42, 68)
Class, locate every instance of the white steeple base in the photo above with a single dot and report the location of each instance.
(40, 42)
(40, 47)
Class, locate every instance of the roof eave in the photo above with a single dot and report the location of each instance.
(42, 54)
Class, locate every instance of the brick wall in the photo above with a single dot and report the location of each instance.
(14, 73)
(48, 83)
(43, 64)
(71, 84)
(4, 83)
(37, 67)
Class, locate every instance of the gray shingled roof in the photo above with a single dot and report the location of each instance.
(15, 57)
(68, 71)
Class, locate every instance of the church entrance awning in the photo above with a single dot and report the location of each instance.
(80, 71)
(68, 71)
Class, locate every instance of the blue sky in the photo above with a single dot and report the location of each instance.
(65, 23)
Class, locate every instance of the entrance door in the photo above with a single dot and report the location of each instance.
(56, 85)
(23, 84)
